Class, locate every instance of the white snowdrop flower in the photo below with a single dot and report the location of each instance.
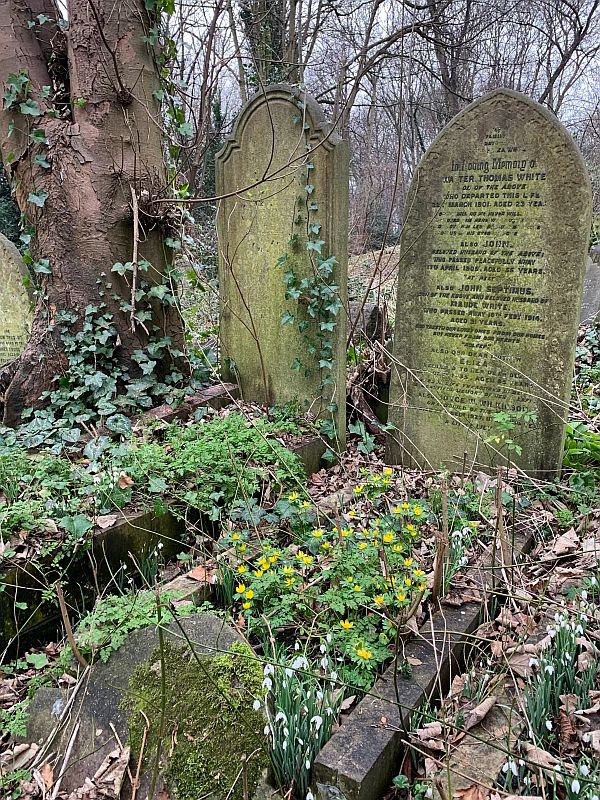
(533, 662)
(300, 741)
(256, 705)
(584, 618)
(213, 579)
(593, 581)
(526, 780)
(584, 770)
(289, 672)
(322, 649)
(280, 717)
(595, 797)
(505, 768)
(584, 595)
(548, 724)
(329, 638)
(319, 695)
(324, 663)
(318, 721)
(297, 646)
(308, 696)
(557, 617)
(429, 792)
(269, 669)
(586, 738)
(299, 663)
(575, 786)
(284, 745)
(513, 768)
(267, 684)
(567, 656)
(307, 764)
(579, 630)
(549, 669)
(310, 795)
(334, 676)
(521, 762)
(267, 730)
(328, 711)
(286, 733)
(551, 631)
(160, 545)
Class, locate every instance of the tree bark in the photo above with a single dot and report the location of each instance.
(107, 142)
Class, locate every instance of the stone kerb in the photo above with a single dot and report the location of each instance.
(282, 177)
(492, 261)
(15, 304)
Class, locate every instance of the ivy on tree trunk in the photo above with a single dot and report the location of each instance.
(80, 127)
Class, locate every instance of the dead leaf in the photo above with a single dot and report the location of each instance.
(431, 730)
(567, 543)
(475, 716)
(125, 481)
(519, 664)
(201, 573)
(473, 792)
(595, 741)
(348, 702)
(47, 774)
(539, 757)
(414, 662)
(107, 520)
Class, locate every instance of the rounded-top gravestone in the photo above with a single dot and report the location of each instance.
(492, 261)
(15, 305)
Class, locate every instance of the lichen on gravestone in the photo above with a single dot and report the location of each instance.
(15, 304)
(282, 179)
(492, 261)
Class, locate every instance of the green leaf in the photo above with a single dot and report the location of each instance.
(317, 245)
(121, 269)
(185, 129)
(37, 660)
(309, 188)
(78, 525)
(157, 485)
(41, 161)
(119, 423)
(42, 267)
(38, 198)
(31, 107)
(38, 136)
(287, 318)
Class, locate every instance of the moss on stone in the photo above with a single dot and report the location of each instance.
(209, 716)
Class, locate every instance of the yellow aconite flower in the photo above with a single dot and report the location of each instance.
(417, 511)
(273, 558)
(241, 569)
(363, 653)
(290, 581)
(408, 562)
(236, 537)
(246, 605)
(408, 581)
(388, 471)
(346, 624)
(358, 489)
(346, 532)
(325, 546)
(379, 600)
(398, 510)
(304, 504)
(388, 537)
(401, 597)
(242, 548)
(240, 588)
(385, 482)
(398, 548)
(318, 533)
(362, 545)
(288, 570)
(293, 497)
(249, 594)
(264, 565)
(404, 506)
(308, 559)
(259, 573)
(417, 573)
(357, 588)
(410, 527)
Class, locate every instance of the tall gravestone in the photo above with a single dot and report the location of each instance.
(282, 177)
(15, 305)
(492, 262)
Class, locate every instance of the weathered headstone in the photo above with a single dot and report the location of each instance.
(15, 306)
(283, 181)
(492, 262)
(590, 305)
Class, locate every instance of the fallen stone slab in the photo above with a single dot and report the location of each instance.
(211, 738)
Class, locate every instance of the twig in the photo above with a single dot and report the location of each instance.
(134, 257)
(65, 763)
(136, 781)
(67, 623)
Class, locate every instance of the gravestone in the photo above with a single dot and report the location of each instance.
(590, 305)
(492, 262)
(15, 306)
(282, 177)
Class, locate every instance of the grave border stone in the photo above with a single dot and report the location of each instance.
(18, 281)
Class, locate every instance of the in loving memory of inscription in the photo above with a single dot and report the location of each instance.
(481, 216)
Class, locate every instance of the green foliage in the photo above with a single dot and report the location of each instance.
(582, 447)
(210, 465)
(107, 626)
(504, 423)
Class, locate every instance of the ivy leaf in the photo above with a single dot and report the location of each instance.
(174, 244)
(325, 364)
(41, 161)
(313, 206)
(77, 525)
(287, 318)
(38, 198)
(317, 245)
(185, 129)
(37, 660)
(159, 94)
(31, 107)
(38, 136)
(296, 365)
(327, 326)
(121, 269)
(42, 19)
(314, 227)
(119, 423)
(42, 267)
(309, 188)
(157, 485)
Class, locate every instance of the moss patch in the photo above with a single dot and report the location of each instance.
(208, 715)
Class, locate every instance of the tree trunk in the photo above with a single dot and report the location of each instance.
(102, 141)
